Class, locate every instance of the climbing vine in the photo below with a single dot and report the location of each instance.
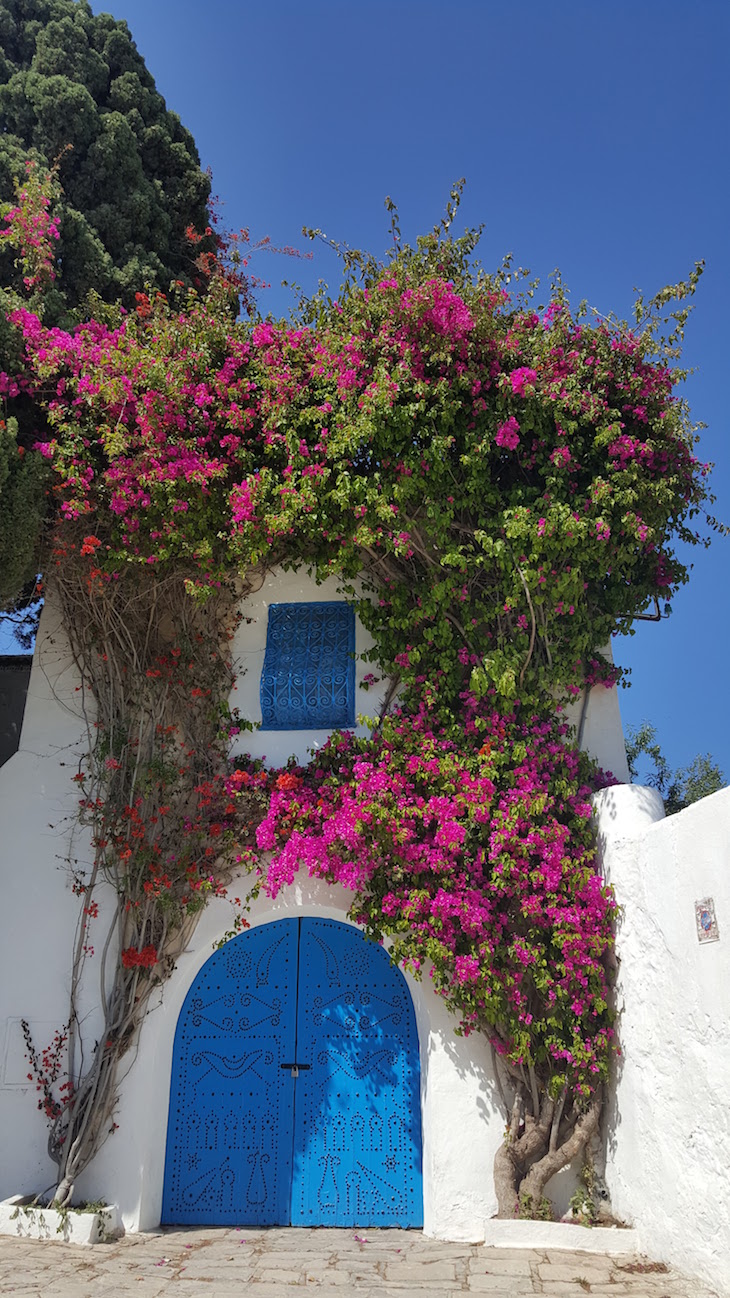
(499, 486)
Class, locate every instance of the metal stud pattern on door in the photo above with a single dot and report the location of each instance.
(231, 1123)
(357, 1128)
(296, 1106)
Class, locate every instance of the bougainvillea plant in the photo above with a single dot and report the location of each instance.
(499, 487)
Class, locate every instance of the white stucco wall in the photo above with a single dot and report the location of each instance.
(597, 723)
(462, 1124)
(39, 838)
(38, 800)
(668, 1126)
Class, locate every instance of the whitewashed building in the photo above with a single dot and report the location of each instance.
(424, 1157)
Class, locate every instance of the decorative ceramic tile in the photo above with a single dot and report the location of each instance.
(706, 920)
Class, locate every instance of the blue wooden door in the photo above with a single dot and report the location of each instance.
(231, 1123)
(357, 1124)
(334, 1141)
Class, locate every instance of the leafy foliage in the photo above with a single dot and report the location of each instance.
(681, 787)
(75, 91)
(509, 481)
(470, 847)
(512, 482)
(121, 189)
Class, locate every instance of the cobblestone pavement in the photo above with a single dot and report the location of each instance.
(282, 1263)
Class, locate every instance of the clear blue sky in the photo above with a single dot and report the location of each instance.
(593, 136)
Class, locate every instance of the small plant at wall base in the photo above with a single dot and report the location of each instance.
(509, 481)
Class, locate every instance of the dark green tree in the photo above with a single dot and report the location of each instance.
(126, 186)
(74, 89)
(679, 788)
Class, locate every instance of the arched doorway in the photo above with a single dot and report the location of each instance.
(295, 1093)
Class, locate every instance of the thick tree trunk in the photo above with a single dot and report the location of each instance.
(64, 1193)
(535, 1148)
(518, 1152)
(533, 1184)
(534, 1139)
(506, 1175)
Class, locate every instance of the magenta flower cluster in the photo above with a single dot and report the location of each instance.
(31, 229)
(469, 854)
(511, 486)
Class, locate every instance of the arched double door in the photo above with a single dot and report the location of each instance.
(295, 1095)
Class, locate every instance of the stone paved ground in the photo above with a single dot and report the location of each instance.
(280, 1263)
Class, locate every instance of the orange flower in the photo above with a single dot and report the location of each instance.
(288, 781)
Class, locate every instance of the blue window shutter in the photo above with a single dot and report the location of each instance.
(308, 680)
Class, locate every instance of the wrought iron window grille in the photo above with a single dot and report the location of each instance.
(308, 678)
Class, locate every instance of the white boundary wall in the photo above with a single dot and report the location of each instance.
(39, 912)
(462, 1122)
(668, 1126)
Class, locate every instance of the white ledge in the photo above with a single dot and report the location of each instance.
(19, 1218)
(501, 1233)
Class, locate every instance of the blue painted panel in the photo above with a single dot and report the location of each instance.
(357, 1139)
(308, 677)
(229, 1141)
